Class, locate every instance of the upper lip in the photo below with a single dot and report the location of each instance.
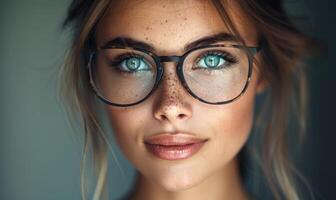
(169, 139)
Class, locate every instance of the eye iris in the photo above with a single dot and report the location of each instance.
(211, 60)
(133, 63)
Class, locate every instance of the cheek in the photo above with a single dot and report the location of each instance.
(126, 128)
(232, 126)
(233, 131)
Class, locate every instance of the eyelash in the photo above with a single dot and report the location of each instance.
(226, 56)
(115, 63)
(119, 59)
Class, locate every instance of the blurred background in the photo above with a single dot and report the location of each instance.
(40, 152)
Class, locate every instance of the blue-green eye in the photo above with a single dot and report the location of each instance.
(131, 64)
(211, 61)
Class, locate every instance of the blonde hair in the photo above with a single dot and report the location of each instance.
(280, 65)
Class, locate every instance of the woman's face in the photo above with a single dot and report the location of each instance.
(168, 27)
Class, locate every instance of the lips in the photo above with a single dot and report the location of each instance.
(170, 146)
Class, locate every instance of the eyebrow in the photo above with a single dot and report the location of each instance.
(207, 40)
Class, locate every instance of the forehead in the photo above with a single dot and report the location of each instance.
(169, 25)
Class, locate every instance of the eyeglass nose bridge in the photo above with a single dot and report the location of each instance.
(178, 60)
(169, 58)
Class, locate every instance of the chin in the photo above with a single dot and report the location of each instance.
(178, 181)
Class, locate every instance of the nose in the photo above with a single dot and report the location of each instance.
(171, 101)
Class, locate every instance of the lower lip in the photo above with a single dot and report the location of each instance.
(174, 152)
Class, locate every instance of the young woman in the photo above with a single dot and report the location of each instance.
(179, 80)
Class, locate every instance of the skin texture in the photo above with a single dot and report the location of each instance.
(211, 173)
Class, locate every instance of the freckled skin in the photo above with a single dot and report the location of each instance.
(212, 172)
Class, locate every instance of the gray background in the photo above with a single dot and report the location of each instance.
(40, 153)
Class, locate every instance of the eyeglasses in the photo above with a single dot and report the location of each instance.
(213, 74)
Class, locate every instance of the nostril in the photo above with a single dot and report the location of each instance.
(163, 117)
(181, 116)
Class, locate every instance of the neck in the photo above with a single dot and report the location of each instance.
(224, 184)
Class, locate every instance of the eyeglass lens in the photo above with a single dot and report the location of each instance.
(213, 74)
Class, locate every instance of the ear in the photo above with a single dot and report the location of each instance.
(261, 84)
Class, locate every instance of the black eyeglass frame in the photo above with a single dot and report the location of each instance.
(251, 51)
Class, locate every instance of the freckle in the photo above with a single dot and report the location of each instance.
(146, 38)
(166, 21)
(185, 18)
(163, 6)
(147, 28)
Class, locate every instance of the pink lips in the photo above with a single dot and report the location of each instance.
(173, 146)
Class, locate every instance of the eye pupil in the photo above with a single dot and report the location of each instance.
(211, 60)
(133, 63)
